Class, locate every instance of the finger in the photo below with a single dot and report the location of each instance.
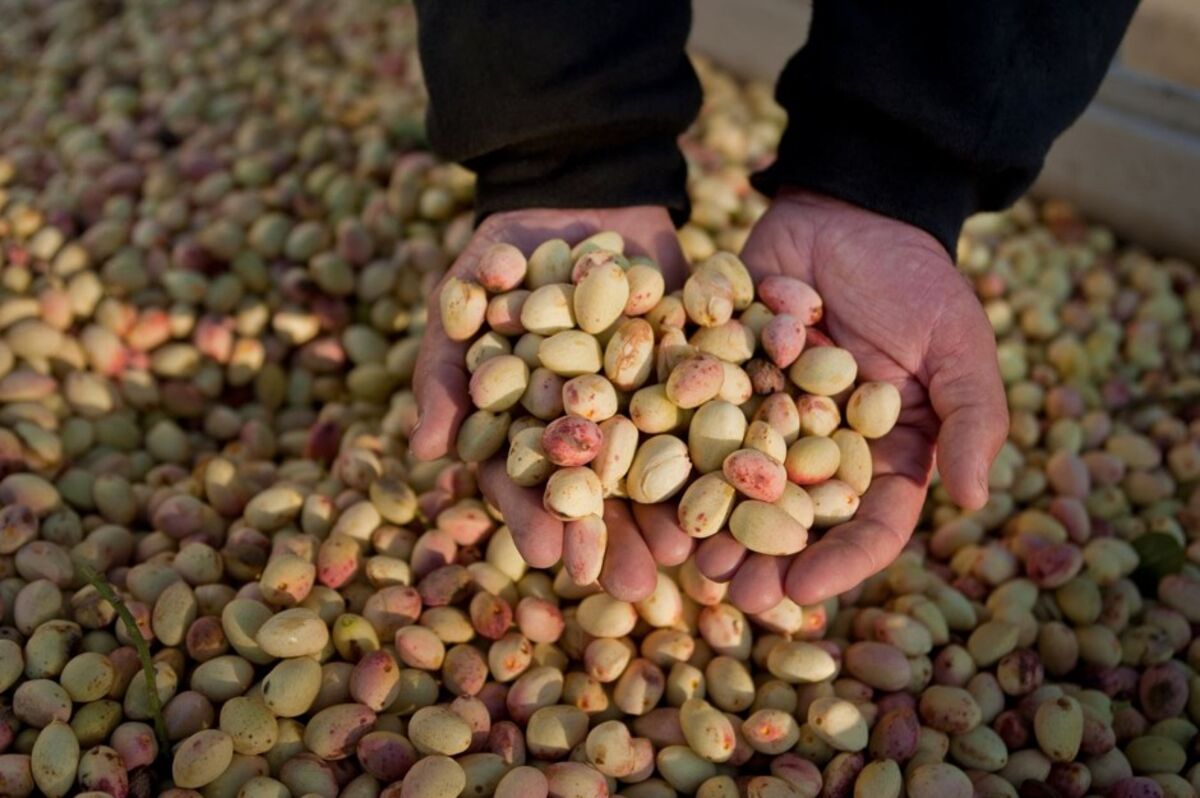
(853, 551)
(585, 541)
(719, 557)
(667, 542)
(967, 393)
(440, 381)
(537, 534)
(628, 573)
(758, 584)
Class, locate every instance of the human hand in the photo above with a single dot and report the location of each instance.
(638, 537)
(894, 299)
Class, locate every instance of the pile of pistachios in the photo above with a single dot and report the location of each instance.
(223, 574)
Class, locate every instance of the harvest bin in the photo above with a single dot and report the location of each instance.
(1132, 161)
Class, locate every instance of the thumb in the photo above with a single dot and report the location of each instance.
(967, 394)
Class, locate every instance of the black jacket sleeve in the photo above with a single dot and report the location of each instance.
(561, 104)
(932, 110)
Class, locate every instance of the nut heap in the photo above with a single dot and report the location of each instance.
(215, 228)
(627, 391)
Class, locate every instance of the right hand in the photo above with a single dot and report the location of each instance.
(441, 379)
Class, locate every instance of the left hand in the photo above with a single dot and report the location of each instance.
(895, 300)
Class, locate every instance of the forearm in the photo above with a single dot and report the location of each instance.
(929, 112)
(561, 104)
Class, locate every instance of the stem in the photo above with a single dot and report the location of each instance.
(143, 652)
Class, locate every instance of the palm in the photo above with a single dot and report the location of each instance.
(893, 298)
(639, 537)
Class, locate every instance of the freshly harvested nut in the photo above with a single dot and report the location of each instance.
(526, 348)
(1058, 726)
(839, 723)
(601, 615)
(629, 355)
(799, 662)
(706, 505)
(788, 295)
(646, 289)
(660, 469)
(731, 267)
(590, 396)
(779, 411)
(878, 665)
(543, 396)
(695, 381)
(549, 309)
(795, 502)
(819, 415)
(732, 341)
(824, 370)
(500, 268)
(708, 732)
(434, 777)
(600, 297)
(855, 464)
(812, 460)
(570, 353)
(755, 475)
(767, 529)
(250, 724)
(291, 687)
(708, 298)
(499, 383)
(296, 632)
(54, 759)
(571, 441)
(610, 749)
(584, 543)
(481, 435)
(880, 779)
(673, 349)
(503, 314)
(439, 730)
(873, 408)
(979, 749)
(783, 339)
(653, 412)
(554, 730)
(765, 377)
(940, 779)
(771, 731)
(462, 305)
(527, 464)
(619, 439)
(735, 387)
(684, 770)
(834, 502)
(523, 782)
(716, 431)
(201, 758)
(668, 314)
(573, 493)
(550, 262)
(639, 688)
(952, 710)
(762, 436)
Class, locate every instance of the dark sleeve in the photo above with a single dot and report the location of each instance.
(929, 111)
(561, 104)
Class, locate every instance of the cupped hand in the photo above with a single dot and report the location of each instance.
(895, 300)
(638, 537)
